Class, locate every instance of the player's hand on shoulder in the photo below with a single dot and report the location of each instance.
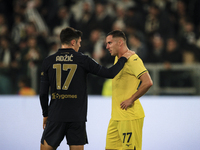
(128, 54)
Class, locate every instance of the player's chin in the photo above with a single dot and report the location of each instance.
(112, 54)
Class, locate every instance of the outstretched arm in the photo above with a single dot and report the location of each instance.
(144, 87)
(115, 69)
(112, 71)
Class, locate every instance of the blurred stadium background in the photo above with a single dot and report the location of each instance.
(164, 33)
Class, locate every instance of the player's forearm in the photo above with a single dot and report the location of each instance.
(144, 87)
(44, 104)
(44, 97)
(114, 70)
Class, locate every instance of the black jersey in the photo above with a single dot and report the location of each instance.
(65, 72)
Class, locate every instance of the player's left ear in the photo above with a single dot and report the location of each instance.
(120, 42)
(73, 42)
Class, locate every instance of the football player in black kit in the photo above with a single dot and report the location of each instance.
(65, 73)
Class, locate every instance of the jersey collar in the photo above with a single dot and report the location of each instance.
(65, 49)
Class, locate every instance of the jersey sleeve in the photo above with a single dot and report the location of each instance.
(136, 67)
(102, 71)
(44, 89)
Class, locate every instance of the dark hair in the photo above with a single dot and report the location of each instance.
(117, 33)
(68, 34)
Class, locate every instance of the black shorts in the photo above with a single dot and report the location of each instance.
(54, 133)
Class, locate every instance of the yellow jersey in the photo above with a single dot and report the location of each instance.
(124, 85)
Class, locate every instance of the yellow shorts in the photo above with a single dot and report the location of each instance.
(125, 134)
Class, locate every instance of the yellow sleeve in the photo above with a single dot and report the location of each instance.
(136, 66)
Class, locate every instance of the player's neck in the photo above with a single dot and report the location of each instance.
(63, 46)
(122, 51)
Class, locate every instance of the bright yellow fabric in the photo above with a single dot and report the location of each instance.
(125, 134)
(124, 85)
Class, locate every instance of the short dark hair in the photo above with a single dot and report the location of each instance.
(117, 33)
(68, 34)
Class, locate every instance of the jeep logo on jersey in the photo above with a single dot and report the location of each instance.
(64, 58)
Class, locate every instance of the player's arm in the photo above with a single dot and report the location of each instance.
(146, 83)
(115, 69)
(44, 99)
(112, 71)
(44, 94)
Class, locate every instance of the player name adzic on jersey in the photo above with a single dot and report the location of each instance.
(64, 58)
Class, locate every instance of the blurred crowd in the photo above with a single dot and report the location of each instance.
(159, 31)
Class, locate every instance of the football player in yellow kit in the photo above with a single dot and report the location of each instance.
(126, 123)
